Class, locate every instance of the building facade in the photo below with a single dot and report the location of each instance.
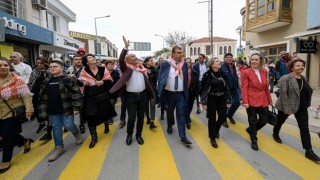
(284, 25)
(98, 45)
(36, 28)
(221, 46)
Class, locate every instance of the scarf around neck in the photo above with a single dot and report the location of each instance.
(15, 88)
(140, 68)
(88, 80)
(177, 67)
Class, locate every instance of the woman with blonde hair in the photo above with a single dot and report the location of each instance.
(255, 96)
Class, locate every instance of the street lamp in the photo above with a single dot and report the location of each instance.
(210, 15)
(95, 24)
(162, 42)
(239, 30)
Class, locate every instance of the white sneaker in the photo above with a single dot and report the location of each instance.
(314, 112)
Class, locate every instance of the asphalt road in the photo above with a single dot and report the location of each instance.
(164, 157)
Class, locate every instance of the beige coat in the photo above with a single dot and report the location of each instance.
(289, 99)
(5, 111)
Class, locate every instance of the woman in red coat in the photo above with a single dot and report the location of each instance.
(255, 96)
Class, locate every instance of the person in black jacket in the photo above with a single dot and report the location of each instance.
(215, 99)
(153, 78)
(96, 105)
(115, 77)
(193, 86)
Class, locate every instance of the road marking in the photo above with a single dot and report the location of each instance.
(289, 157)
(87, 163)
(155, 157)
(23, 164)
(226, 161)
(291, 130)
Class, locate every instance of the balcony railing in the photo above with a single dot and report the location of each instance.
(13, 7)
(262, 15)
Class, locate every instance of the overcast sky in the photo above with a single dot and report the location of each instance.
(140, 20)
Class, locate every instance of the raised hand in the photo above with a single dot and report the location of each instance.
(126, 42)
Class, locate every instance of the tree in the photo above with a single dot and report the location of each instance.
(158, 53)
(178, 38)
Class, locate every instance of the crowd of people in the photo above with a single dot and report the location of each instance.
(54, 95)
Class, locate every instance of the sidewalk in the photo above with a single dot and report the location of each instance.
(314, 124)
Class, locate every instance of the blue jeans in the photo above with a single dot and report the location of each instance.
(176, 101)
(234, 104)
(59, 120)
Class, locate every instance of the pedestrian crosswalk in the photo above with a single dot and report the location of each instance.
(163, 157)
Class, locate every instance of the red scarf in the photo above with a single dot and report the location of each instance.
(189, 77)
(88, 80)
(15, 88)
(177, 67)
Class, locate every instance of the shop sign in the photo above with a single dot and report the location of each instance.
(80, 35)
(13, 25)
(307, 46)
(67, 43)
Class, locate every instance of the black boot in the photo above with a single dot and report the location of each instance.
(47, 136)
(106, 127)
(94, 137)
(82, 128)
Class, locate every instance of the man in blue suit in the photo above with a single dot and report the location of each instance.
(173, 85)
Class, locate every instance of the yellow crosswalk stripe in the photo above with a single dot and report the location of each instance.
(289, 157)
(23, 164)
(228, 163)
(88, 162)
(292, 130)
(155, 157)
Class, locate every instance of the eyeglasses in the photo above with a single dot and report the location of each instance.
(53, 67)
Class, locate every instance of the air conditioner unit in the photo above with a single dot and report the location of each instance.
(41, 4)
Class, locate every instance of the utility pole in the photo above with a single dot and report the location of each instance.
(210, 23)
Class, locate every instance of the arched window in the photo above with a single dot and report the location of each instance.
(199, 50)
(220, 50)
(195, 51)
(224, 49)
(191, 51)
(229, 49)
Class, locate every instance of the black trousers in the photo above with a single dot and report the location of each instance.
(10, 137)
(136, 104)
(303, 122)
(256, 124)
(216, 105)
(192, 97)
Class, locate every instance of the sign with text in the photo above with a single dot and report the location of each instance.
(307, 46)
(140, 46)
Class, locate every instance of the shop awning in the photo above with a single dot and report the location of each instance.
(304, 33)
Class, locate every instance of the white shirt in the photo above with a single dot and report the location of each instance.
(203, 69)
(136, 82)
(171, 80)
(257, 71)
(24, 71)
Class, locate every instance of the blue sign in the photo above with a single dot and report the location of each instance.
(23, 29)
(240, 50)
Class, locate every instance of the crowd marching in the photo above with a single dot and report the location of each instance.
(53, 94)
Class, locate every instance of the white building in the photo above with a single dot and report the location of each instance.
(221, 46)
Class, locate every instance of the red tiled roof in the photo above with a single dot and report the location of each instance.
(215, 39)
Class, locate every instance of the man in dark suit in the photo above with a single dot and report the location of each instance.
(137, 90)
(200, 68)
(173, 85)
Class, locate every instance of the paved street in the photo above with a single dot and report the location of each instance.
(164, 157)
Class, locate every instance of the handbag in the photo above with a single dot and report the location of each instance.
(18, 113)
(273, 116)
